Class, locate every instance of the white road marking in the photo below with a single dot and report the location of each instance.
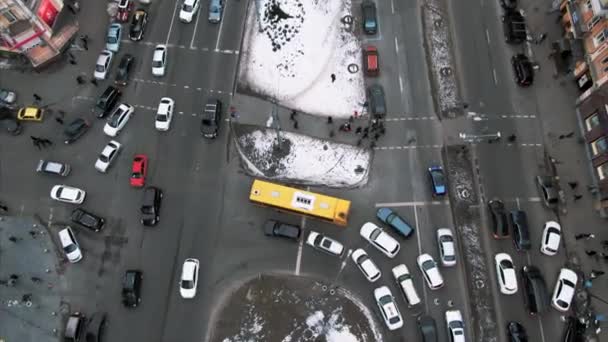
(426, 302)
(299, 257)
(517, 201)
(400, 84)
(50, 216)
(410, 204)
(494, 75)
(21, 210)
(396, 46)
(488, 36)
(171, 25)
(393, 6)
(407, 147)
(219, 34)
(198, 15)
(409, 118)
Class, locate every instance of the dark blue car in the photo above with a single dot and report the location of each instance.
(437, 180)
(391, 218)
(370, 22)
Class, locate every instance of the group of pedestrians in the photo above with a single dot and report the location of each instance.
(593, 253)
(40, 142)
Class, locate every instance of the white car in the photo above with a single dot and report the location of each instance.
(107, 156)
(552, 236)
(189, 279)
(406, 283)
(159, 60)
(564, 290)
(70, 245)
(388, 308)
(68, 194)
(366, 265)
(455, 324)
(164, 114)
(447, 247)
(118, 119)
(103, 64)
(325, 244)
(380, 239)
(188, 11)
(430, 271)
(505, 272)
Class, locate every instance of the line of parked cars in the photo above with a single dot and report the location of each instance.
(514, 27)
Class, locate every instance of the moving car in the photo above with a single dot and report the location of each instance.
(551, 238)
(7, 96)
(87, 219)
(138, 25)
(376, 101)
(150, 207)
(547, 190)
(124, 8)
(380, 239)
(107, 100)
(505, 272)
(430, 271)
(389, 217)
(521, 235)
(371, 63)
(455, 324)
(131, 288)
(114, 36)
(30, 114)
(406, 284)
(447, 247)
(159, 60)
(427, 328)
(370, 21)
(103, 64)
(280, 229)
(215, 11)
(118, 119)
(522, 70)
(516, 332)
(124, 70)
(324, 243)
(189, 279)
(437, 180)
(500, 224)
(75, 129)
(74, 327)
(139, 170)
(189, 10)
(68, 194)
(95, 327)
(514, 27)
(366, 265)
(564, 290)
(536, 297)
(210, 123)
(52, 167)
(70, 245)
(164, 114)
(388, 308)
(107, 155)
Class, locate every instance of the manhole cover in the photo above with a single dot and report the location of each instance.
(347, 19)
(463, 192)
(353, 68)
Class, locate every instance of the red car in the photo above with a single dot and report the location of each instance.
(370, 61)
(124, 8)
(140, 169)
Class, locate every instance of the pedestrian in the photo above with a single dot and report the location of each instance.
(356, 114)
(4, 207)
(71, 56)
(72, 61)
(59, 120)
(512, 138)
(331, 133)
(562, 136)
(80, 79)
(358, 130)
(351, 119)
(376, 136)
(295, 124)
(293, 114)
(330, 120)
(582, 236)
(596, 273)
(33, 233)
(47, 141)
(590, 252)
(365, 135)
(333, 78)
(366, 130)
(573, 185)
(13, 277)
(85, 45)
(372, 144)
(36, 280)
(12, 239)
(382, 131)
(94, 81)
(577, 197)
(37, 97)
(569, 135)
(605, 243)
(347, 127)
(359, 141)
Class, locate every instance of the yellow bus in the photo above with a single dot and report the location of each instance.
(300, 202)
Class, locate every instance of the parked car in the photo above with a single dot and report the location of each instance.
(389, 217)
(437, 177)
(548, 192)
(118, 119)
(564, 290)
(95, 327)
(366, 265)
(388, 308)
(150, 207)
(68, 194)
(7, 96)
(516, 332)
(380, 239)
(211, 118)
(74, 327)
(371, 63)
(522, 70)
(508, 4)
(54, 168)
(131, 288)
(30, 114)
(87, 219)
(104, 61)
(455, 324)
(107, 101)
(124, 70)
(215, 11)
(551, 238)
(189, 10)
(427, 328)
(405, 282)
(138, 25)
(500, 224)
(521, 235)
(70, 245)
(114, 36)
(107, 155)
(324, 243)
(370, 20)
(139, 170)
(164, 114)
(505, 273)
(189, 279)
(159, 60)
(430, 271)
(514, 27)
(75, 129)
(280, 229)
(447, 247)
(536, 297)
(376, 101)
(124, 9)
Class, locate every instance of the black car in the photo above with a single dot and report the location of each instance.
(138, 24)
(280, 229)
(75, 130)
(508, 4)
(428, 328)
(74, 327)
(95, 327)
(514, 27)
(536, 297)
(150, 207)
(500, 225)
(522, 70)
(521, 235)
(574, 330)
(547, 190)
(370, 21)
(131, 288)
(516, 332)
(124, 70)
(107, 101)
(211, 118)
(87, 219)
(375, 98)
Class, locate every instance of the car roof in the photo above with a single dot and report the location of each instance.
(64, 237)
(387, 241)
(189, 2)
(188, 269)
(553, 240)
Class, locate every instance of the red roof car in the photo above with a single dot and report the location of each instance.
(124, 8)
(140, 169)
(370, 61)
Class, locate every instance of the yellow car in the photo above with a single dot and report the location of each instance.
(30, 114)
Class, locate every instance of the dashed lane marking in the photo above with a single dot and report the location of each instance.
(410, 118)
(406, 147)
(175, 46)
(410, 204)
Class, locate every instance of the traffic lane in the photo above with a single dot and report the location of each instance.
(162, 18)
(233, 22)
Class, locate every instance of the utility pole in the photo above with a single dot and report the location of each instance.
(276, 124)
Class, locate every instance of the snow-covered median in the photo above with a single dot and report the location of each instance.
(290, 50)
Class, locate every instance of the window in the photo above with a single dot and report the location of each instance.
(600, 145)
(602, 171)
(596, 19)
(599, 39)
(592, 121)
(605, 60)
(589, 6)
(9, 16)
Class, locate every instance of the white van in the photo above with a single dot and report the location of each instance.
(405, 282)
